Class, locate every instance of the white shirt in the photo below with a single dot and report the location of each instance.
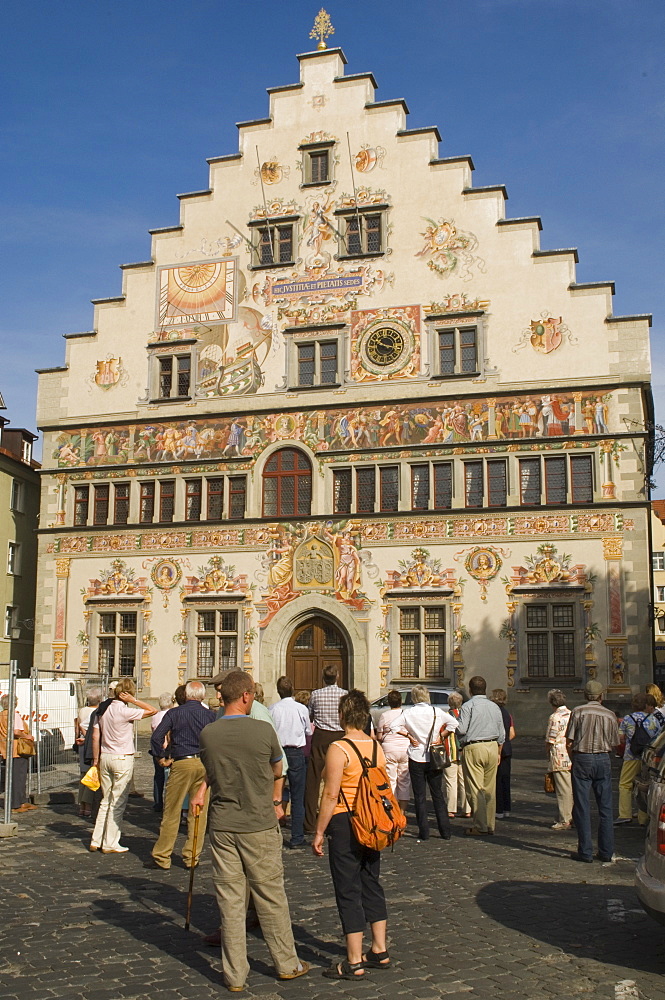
(417, 720)
(291, 720)
(116, 727)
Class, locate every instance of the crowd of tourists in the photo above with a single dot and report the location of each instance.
(233, 768)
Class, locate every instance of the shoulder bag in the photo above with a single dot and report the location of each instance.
(439, 757)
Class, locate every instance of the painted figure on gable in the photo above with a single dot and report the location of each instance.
(319, 227)
(347, 577)
(549, 568)
(450, 250)
(119, 579)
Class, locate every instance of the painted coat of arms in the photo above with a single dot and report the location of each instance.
(108, 372)
(546, 334)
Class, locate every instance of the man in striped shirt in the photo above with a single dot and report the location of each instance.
(591, 737)
(324, 713)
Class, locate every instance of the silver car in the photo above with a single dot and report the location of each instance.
(438, 696)
(650, 872)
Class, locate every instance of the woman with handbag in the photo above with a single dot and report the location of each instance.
(425, 726)
(559, 762)
(23, 749)
(355, 869)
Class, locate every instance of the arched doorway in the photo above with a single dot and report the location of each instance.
(315, 644)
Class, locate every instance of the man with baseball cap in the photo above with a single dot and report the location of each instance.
(591, 737)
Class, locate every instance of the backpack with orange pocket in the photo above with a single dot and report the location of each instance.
(376, 817)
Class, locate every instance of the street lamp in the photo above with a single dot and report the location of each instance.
(28, 623)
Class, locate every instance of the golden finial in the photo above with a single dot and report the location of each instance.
(322, 28)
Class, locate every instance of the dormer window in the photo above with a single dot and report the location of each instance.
(317, 164)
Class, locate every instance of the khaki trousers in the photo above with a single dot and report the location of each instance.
(629, 771)
(184, 779)
(479, 763)
(455, 790)
(563, 787)
(254, 860)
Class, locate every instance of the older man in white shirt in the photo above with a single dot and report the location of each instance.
(424, 724)
(291, 721)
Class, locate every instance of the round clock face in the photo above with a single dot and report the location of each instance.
(384, 346)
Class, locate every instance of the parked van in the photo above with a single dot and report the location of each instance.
(57, 703)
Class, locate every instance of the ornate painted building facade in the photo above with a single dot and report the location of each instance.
(349, 412)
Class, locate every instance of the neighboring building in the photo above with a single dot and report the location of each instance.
(349, 412)
(658, 567)
(19, 518)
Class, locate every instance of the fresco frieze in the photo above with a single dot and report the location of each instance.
(343, 429)
(456, 303)
(319, 283)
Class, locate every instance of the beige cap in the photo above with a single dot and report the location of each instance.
(593, 689)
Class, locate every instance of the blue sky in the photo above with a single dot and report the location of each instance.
(111, 108)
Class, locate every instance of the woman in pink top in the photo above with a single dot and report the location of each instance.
(113, 756)
(395, 747)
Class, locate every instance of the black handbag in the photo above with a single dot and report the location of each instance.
(439, 758)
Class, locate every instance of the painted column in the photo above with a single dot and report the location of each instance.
(579, 419)
(62, 492)
(608, 486)
(616, 639)
(491, 419)
(59, 645)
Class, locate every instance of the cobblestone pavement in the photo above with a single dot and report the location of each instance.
(511, 916)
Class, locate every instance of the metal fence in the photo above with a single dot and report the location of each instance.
(50, 702)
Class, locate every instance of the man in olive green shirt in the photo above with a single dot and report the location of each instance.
(243, 762)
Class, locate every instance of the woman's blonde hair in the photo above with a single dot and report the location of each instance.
(125, 685)
(655, 691)
(419, 693)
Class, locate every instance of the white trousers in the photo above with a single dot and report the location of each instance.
(115, 774)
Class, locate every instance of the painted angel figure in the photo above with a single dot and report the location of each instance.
(347, 576)
(318, 225)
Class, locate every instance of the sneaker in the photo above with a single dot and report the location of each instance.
(622, 821)
(500, 815)
(506, 815)
(114, 850)
(560, 826)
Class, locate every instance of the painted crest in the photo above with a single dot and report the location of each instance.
(314, 564)
(108, 372)
(448, 250)
(271, 172)
(368, 157)
(546, 334)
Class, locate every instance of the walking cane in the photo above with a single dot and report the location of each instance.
(191, 869)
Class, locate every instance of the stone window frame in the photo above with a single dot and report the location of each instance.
(343, 215)
(437, 323)
(96, 606)
(429, 597)
(296, 337)
(175, 349)
(539, 595)
(195, 603)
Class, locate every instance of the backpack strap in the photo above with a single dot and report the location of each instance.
(363, 764)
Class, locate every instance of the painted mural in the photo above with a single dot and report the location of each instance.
(271, 172)
(321, 557)
(385, 344)
(448, 250)
(118, 581)
(230, 357)
(109, 372)
(551, 416)
(215, 578)
(200, 292)
(482, 563)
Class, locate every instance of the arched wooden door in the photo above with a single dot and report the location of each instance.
(314, 645)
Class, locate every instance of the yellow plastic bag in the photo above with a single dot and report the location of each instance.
(91, 779)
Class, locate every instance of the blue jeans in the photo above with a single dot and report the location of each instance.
(592, 772)
(297, 776)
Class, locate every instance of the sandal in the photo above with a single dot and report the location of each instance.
(345, 970)
(302, 970)
(377, 960)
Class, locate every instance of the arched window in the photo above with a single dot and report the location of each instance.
(287, 484)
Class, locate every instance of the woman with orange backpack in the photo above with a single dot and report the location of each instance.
(352, 762)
